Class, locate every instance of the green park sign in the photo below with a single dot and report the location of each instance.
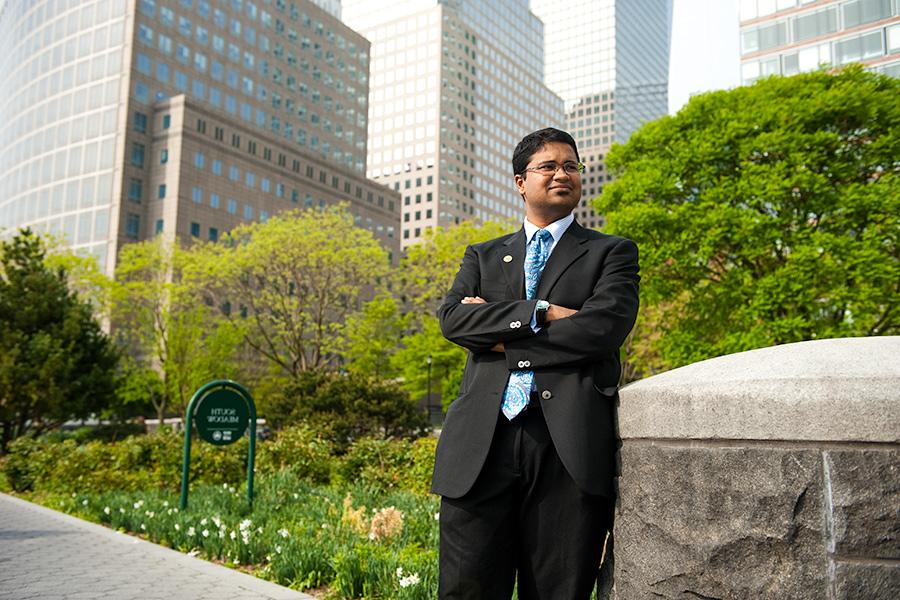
(222, 410)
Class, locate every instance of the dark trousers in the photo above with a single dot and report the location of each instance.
(524, 516)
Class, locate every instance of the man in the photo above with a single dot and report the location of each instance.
(525, 461)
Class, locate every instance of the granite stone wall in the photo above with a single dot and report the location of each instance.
(773, 473)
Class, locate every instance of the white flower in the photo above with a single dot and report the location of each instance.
(296, 496)
(278, 549)
(268, 558)
(151, 514)
(371, 535)
(399, 572)
(233, 535)
(194, 552)
(205, 533)
(191, 531)
(84, 502)
(175, 509)
(143, 527)
(203, 521)
(437, 516)
(177, 527)
(169, 512)
(245, 524)
(259, 530)
(217, 521)
(166, 504)
(283, 532)
(74, 494)
(245, 537)
(122, 510)
(324, 525)
(139, 504)
(225, 486)
(221, 533)
(106, 509)
(408, 581)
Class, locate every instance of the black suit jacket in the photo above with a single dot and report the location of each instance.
(575, 360)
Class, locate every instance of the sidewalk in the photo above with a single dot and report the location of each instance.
(48, 555)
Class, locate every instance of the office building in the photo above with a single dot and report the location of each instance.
(125, 119)
(786, 37)
(609, 61)
(455, 84)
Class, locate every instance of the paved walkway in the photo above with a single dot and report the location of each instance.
(48, 555)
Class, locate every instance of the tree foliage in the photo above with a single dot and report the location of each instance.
(55, 361)
(370, 337)
(292, 282)
(160, 318)
(766, 214)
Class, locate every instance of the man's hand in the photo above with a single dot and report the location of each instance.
(556, 312)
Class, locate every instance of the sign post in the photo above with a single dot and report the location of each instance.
(223, 410)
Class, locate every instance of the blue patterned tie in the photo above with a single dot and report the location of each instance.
(518, 389)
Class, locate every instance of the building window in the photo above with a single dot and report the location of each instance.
(213, 234)
(214, 200)
(199, 160)
(265, 185)
(133, 226)
(159, 226)
(233, 173)
(217, 167)
(140, 122)
(197, 194)
(161, 191)
(219, 133)
(195, 229)
(137, 155)
(166, 121)
(163, 156)
(135, 190)
(232, 206)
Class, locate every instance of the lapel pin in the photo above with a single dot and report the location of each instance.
(507, 258)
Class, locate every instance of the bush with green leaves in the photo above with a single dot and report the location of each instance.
(345, 408)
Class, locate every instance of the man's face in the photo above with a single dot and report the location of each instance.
(548, 195)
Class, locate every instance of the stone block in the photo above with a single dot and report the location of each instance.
(864, 502)
(866, 581)
(705, 521)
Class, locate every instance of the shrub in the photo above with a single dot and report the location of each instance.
(346, 408)
(387, 464)
(299, 450)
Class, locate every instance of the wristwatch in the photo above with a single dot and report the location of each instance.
(540, 312)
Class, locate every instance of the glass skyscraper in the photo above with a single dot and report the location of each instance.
(125, 119)
(609, 61)
(455, 84)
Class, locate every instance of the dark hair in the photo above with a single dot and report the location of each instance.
(533, 142)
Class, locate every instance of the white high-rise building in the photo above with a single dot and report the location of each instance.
(454, 86)
(790, 36)
(609, 60)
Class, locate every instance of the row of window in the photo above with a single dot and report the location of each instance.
(839, 52)
(806, 26)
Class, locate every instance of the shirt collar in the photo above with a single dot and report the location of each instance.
(556, 228)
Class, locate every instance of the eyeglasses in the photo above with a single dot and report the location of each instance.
(550, 168)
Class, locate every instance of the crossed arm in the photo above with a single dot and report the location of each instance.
(554, 313)
(571, 336)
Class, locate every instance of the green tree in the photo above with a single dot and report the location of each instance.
(55, 361)
(292, 282)
(410, 362)
(766, 214)
(370, 337)
(160, 318)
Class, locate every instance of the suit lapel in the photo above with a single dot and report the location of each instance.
(514, 267)
(567, 250)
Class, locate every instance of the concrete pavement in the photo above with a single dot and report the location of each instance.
(48, 555)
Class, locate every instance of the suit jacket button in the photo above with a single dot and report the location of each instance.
(527, 363)
(521, 363)
(546, 395)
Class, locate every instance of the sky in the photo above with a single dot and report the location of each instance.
(705, 53)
